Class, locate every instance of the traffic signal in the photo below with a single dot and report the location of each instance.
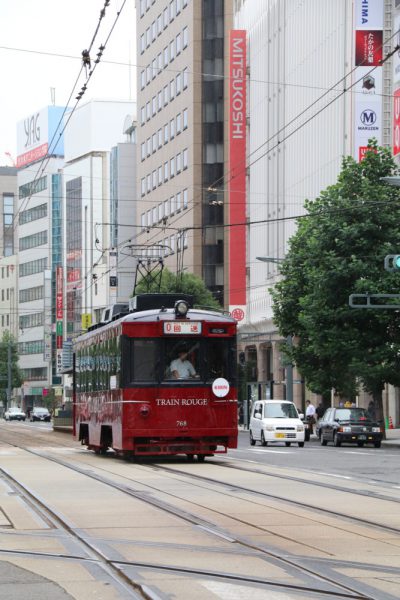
(392, 262)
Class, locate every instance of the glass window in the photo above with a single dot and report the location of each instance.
(160, 100)
(148, 183)
(178, 6)
(178, 162)
(165, 95)
(166, 208)
(142, 79)
(172, 129)
(185, 35)
(143, 220)
(185, 198)
(143, 186)
(148, 143)
(142, 115)
(154, 141)
(160, 211)
(178, 123)
(154, 179)
(178, 84)
(148, 37)
(185, 159)
(171, 10)
(178, 201)
(166, 56)
(153, 30)
(172, 205)
(185, 118)
(166, 171)
(172, 167)
(143, 360)
(153, 105)
(182, 359)
(172, 51)
(280, 411)
(172, 89)
(159, 62)
(165, 17)
(159, 24)
(154, 68)
(185, 78)
(160, 175)
(143, 150)
(178, 40)
(160, 138)
(166, 133)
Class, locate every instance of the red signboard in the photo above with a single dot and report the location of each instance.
(32, 155)
(396, 122)
(369, 48)
(237, 167)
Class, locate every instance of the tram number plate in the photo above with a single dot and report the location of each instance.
(279, 435)
(362, 437)
(182, 328)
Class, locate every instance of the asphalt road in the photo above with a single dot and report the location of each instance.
(380, 465)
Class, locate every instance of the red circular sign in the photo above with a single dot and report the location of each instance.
(238, 314)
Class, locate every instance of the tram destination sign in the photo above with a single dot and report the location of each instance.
(182, 328)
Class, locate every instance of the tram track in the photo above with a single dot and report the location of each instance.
(341, 589)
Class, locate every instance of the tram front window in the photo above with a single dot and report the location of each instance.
(144, 360)
(182, 359)
(217, 358)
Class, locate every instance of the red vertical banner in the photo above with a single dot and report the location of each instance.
(396, 122)
(237, 173)
(59, 307)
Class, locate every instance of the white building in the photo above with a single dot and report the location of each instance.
(99, 210)
(301, 123)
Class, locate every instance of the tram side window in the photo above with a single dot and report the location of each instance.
(182, 359)
(144, 360)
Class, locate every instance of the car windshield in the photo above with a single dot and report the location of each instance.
(351, 414)
(280, 411)
(40, 410)
(15, 409)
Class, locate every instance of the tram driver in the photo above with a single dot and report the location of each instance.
(181, 367)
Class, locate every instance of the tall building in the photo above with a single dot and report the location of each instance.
(8, 256)
(39, 247)
(182, 91)
(317, 90)
(99, 211)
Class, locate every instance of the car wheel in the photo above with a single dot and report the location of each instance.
(360, 444)
(377, 444)
(263, 441)
(323, 440)
(336, 441)
(301, 444)
(252, 440)
(287, 443)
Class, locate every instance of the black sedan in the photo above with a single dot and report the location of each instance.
(351, 425)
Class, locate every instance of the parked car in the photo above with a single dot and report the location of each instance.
(14, 413)
(276, 421)
(351, 425)
(40, 414)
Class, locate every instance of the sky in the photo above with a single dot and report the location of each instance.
(41, 42)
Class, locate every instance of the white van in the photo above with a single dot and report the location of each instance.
(276, 421)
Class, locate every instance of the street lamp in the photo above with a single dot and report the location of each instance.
(289, 340)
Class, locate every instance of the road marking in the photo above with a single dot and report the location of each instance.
(333, 475)
(275, 451)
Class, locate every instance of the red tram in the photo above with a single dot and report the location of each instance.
(158, 381)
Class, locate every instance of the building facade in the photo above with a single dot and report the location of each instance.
(181, 96)
(316, 92)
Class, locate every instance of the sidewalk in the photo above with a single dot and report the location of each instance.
(392, 438)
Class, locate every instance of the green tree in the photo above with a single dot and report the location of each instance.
(187, 283)
(16, 376)
(339, 249)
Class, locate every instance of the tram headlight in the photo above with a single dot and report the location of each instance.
(181, 308)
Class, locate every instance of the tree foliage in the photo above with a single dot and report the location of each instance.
(339, 249)
(187, 283)
(16, 376)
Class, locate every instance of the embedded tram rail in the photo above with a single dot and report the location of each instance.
(226, 536)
